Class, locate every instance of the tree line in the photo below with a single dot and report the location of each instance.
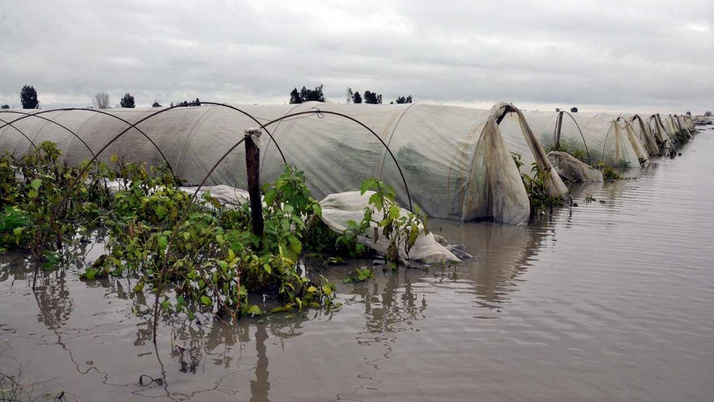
(101, 100)
(316, 95)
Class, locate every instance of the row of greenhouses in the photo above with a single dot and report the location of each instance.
(452, 162)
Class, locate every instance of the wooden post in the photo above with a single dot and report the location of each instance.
(558, 128)
(252, 163)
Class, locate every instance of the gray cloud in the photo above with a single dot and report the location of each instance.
(604, 55)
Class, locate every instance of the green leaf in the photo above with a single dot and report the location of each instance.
(160, 211)
(327, 290)
(254, 310)
(295, 244)
(376, 200)
(163, 242)
(394, 212)
(206, 301)
(368, 184)
(36, 184)
(89, 275)
(267, 268)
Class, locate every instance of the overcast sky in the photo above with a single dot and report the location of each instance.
(598, 55)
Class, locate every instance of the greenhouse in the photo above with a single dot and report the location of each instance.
(451, 162)
(594, 138)
(644, 134)
(663, 135)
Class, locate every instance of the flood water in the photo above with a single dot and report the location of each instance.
(612, 300)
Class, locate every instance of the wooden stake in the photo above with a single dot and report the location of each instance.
(252, 162)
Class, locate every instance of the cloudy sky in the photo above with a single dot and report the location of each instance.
(598, 55)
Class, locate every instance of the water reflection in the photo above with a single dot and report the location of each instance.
(501, 254)
(260, 386)
(391, 304)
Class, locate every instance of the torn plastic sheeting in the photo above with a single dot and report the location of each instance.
(338, 209)
(573, 170)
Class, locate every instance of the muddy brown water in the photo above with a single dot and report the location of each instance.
(612, 300)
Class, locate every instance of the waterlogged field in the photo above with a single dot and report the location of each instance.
(610, 300)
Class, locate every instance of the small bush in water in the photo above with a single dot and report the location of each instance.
(608, 173)
(540, 200)
(384, 214)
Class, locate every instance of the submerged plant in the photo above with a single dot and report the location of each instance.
(383, 213)
(608, 173)
(211, 259)
(573, 148)
(359, 275)
(536, 188)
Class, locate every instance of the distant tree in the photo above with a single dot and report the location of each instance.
(196, 102)
(28, 98)
(5, 107)
(557, 109)
(573, 110)
(402, 99)
(307, 95)
(372, 97)
(708, 114)
(157, 104)
(101, 100)
(295, 96)
(357, 98)
(172, 104)
(314, 95)
(127, 101)
(689, 113)
(349, 95)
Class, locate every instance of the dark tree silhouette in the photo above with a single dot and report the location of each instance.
(372, 97)
(689, 113)
(402, 99)
(5, 107)
(157, 104)
(196, 102)
(127, 101)
(573, 110)
(295, 96)
(28, 98)
(357, 98)
(307, 95)
(708, 114)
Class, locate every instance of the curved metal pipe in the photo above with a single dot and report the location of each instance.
(53, 122)
(18, 130)
(250, 116)
(318, 112)
(585, 143)
(106, 114)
